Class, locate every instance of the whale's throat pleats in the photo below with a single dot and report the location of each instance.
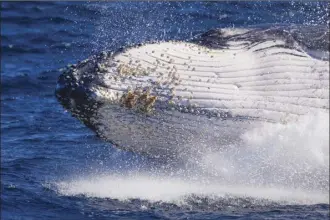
(171, 98)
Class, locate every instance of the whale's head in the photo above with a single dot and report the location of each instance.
(158, 97)
(77, 88)
(122, 80)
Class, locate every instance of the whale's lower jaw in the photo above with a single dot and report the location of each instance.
(171, 99)
(167, 133)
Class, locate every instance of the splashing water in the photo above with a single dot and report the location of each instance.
(292, 155)
(285, 163)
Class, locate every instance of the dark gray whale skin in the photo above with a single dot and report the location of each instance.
(310, 37)
(75, 93)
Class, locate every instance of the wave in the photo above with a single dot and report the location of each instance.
(27, 82)
(28, 20)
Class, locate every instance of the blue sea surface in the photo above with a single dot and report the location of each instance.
(52, 165)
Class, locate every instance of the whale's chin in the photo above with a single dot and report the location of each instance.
(173, 99)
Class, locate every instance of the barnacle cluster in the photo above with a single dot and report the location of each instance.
(139, 99)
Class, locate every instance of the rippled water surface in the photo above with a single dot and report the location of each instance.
(53, 167)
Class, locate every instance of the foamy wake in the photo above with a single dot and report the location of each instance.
(175, 190)
(285, 163)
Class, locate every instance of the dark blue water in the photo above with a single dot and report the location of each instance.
(42, 146)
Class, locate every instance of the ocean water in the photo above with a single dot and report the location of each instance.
(53, 167)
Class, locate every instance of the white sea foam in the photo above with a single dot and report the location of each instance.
(174, 190)
(286, 163)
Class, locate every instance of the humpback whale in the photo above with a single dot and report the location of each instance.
(176, 98)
